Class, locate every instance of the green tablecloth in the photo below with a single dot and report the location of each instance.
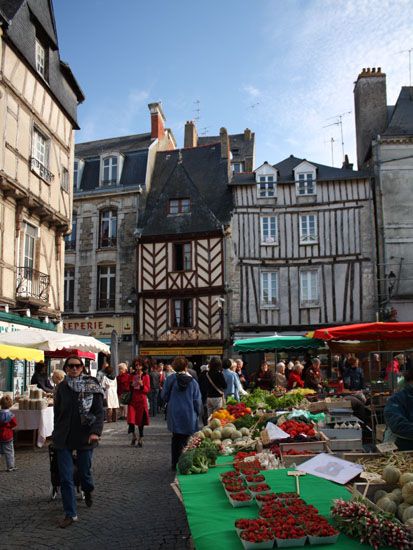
(211, 517)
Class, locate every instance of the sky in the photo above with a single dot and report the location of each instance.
(284, 68)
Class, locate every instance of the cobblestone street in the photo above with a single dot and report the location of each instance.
(134, 504)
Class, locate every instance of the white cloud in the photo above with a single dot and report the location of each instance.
(252, 91)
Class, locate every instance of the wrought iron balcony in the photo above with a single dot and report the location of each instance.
(41, 170)
(107, 242)
(32, 284)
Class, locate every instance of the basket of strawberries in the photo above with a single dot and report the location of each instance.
(257, 537)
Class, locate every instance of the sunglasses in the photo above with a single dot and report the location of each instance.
(74, 365)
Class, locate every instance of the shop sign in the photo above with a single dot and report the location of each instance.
(99, 327)
(10, 327)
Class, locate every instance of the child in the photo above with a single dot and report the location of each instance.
(7, 423)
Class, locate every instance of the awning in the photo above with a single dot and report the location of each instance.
(206, 350)
(367, 331)
(47, 340)
(16, 352)
(271, 343)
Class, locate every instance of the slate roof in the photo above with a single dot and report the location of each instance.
(22, 16)
(199, 174)
(401, 119)
(286, 168)
(135, 151)
(240, 147)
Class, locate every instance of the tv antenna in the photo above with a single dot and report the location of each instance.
(197, 110)
(339, 122)
(409, 51)
(204, 130)
(331, 141)
(253, 105)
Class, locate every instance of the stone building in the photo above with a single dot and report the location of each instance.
(385, 147)
(38, 108)
(111, 180)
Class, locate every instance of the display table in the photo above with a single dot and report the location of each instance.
(39, 421)
(211, 517)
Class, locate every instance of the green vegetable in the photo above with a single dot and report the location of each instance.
(198, 460)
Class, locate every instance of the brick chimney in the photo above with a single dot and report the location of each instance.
(247, 134)
(370, 103)
(157, 120)
(191, 134)
(223, 134)
(347, 165)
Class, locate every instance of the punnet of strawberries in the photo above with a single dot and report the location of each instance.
(251, 523)
(259, 487)
(240, 496)
(229, 475)
(267, 497)
(255, 478)
(284, 531)
(299, 430)
(234, 487)
(257, 535)
(319, 528)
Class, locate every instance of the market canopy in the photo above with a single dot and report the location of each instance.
(367, 331)
(276, 342)
(17, 352)
(48, 340)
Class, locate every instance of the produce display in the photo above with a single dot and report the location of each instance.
(197, 457)
(401, 461)
(376, 529)
(262, 399)
(300, 431)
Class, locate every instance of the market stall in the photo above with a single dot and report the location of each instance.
(39, 422)
(276, 342)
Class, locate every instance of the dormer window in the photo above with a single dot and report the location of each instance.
(41, 59)
(110, 170)
(179, 206)
(306, 184)
(266, 186)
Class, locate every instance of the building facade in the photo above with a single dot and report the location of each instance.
(38, 103)
(110, 177)
(385, 147)
(184, 239)
(303, 253)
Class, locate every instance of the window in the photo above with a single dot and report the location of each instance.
(309, 295)
(110, 170)
(308, 229)
(64, 182)
(182, 257)
(70, 240)
(269, 288)
(41, 59)
(179, 206)
(266, 186)
(40, 148)
(306, 184)
(106, 286)
(108, 228)
(182, 313)
(69, 288)
(269, 232)
(30, 236)
(237, 167)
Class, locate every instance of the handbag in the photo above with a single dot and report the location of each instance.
(218, 390)
(126, 397)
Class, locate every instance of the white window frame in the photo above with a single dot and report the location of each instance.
(271, 238)
(110, 277)
(110, 163)
(238, 167)
(40, 147)
(264, 190)
(78, 165)
(110, 217)
(269, 288)
(306, 177)
(69, 277)
(309, 288)
(305, 236)
(40, 59)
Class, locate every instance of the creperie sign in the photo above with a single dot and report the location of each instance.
(84, 325)
(102, 326)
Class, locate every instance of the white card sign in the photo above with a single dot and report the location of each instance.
(386, 447)
(274, 432)
(330, 467)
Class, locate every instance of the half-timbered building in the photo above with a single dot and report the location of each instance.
(182, 247)
(303, 248)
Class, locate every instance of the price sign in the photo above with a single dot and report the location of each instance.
(370, 477)
(386, 447)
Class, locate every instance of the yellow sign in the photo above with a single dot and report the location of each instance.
(100, 327)
(212, 350)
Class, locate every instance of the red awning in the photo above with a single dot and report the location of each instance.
(63, 353)
(367, 331)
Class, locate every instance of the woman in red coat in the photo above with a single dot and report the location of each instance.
(124, 381)
(138, 411)
(295, 380)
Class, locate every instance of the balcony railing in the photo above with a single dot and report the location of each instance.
(37, 167)
(107, 242)
(32, 284)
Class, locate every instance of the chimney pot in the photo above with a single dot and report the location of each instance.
(247, 134)
(190, 134)
(157, 120)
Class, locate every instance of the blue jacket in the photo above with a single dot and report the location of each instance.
(354, 378)
(183, 396)
(398, 414)
(233, 384)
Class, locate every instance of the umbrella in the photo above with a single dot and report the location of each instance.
(367, 332)
(271, 343)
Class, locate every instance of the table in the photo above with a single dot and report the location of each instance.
(40, 421)
(211, 517)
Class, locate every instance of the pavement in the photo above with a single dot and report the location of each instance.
(134, 504)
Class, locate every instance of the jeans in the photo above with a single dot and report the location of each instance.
(65, 462)
(178, 443)
(153, 402)
(7, 449)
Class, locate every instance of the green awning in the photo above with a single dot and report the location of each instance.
(271, 343)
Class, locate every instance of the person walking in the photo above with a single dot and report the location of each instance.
(110, 385)
(138, 410)
(216, 385)
(155, 378)
(234, 387)
(78, 424)
(7, 424)
(183, 397)
(123, 380)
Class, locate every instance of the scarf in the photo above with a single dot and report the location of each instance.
(85, 386)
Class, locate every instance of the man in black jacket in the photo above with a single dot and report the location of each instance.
(78, 424)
